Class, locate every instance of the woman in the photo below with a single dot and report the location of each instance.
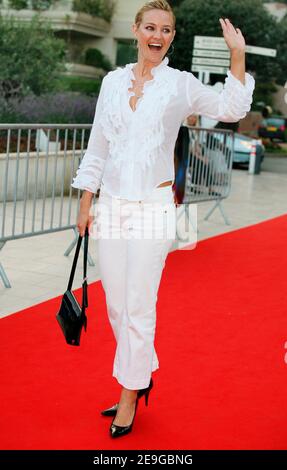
(130, 155)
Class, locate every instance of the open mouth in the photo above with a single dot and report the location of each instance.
(155, 47)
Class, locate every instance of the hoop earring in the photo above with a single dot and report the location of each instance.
(135, 43)
(172, 51)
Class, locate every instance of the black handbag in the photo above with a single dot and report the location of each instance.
(71, 317)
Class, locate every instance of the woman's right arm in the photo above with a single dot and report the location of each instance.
(89, 174)
(84, 218)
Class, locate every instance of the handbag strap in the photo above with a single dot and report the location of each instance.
(85, 279)
(71, 279)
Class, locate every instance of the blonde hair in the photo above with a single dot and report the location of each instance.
(154, 5)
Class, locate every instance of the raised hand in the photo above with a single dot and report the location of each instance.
(233, 36)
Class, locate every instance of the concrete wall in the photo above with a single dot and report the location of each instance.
(32, 169)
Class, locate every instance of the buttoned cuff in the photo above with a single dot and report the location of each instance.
(240, 96)
(248, 87)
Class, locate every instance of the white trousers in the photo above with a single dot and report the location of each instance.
(134, 238)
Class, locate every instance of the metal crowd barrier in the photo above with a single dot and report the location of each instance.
(204, 159)
(38, 162)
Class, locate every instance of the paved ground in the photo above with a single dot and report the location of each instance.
(38, 270)
(275, 164)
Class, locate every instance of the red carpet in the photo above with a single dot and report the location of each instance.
(221, 334)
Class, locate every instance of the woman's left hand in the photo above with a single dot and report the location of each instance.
(233, 36)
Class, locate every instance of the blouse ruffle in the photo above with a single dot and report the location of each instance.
(131, 145)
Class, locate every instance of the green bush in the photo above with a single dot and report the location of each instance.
(41, 4)
(263, 93)
(35, 4)
(82, 85)
(31, 57)
(102, 8)
(18, 4)
(96, 58)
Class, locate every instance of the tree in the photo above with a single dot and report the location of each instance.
(31, 57)
(175, 3)
(258, 27)
(282, 51)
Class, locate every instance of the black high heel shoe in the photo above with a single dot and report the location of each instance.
(117, 431)
(112, 411)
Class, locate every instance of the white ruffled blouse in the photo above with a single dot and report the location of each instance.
(132, 152)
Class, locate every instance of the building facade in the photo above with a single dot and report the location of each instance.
(83, 31)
